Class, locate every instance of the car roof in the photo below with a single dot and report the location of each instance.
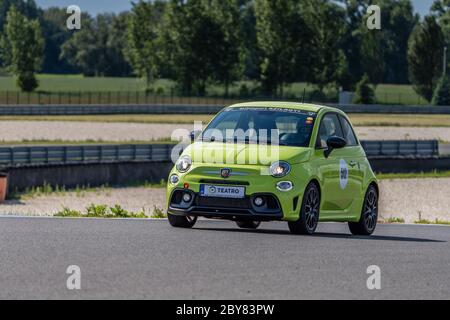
(287, 105)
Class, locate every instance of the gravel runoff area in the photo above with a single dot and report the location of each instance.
(409, 199)
(122, 132)
(83, 131)
(131, 199)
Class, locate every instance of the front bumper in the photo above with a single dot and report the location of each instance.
(230, 209)
(255, 184)
(225, 213)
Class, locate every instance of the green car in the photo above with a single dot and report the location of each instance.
(275, 161)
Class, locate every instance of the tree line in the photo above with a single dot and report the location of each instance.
(201, 42)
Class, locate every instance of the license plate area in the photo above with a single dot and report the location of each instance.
(222, 191)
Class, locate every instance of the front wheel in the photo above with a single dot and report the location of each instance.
(248, 224)
(369, 215)
(181, 221)
(309, 214)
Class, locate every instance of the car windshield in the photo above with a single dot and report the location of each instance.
(286, 127)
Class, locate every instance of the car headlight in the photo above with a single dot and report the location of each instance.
(280, 169)
(184, 164)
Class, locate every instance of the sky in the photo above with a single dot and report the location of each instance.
(100, 6)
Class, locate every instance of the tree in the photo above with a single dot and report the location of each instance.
(22, 48)
(143, 47)
(228, 67)
(364, 93)
(351, 42)
(53, 21)
(249, 41)
(27, 8)
(97, 49)
(372, 55)
(441, 10)
(442, 93)
(425, 57)
(191, 40)
(380, 53)
(280, 30)
(398, 21)
(327, 63)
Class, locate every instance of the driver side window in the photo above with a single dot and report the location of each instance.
(329, 127)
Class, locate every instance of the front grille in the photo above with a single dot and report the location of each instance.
(213, 202)
(225, 182)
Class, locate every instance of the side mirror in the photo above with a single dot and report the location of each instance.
(334, 143)
(194, 135)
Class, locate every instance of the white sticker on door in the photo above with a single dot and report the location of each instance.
(343, 174)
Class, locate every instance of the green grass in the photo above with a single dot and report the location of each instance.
(105, 212)
(393, 220)
(434, 174)
(358, 120)
(397, 120)
(398, 94)
(158, 213)
(101, 211)
(385, 93)
(80, 191)
(437, 221)
(69, 83)
(442, 222)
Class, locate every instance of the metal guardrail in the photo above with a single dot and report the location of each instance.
(17, 156)
(68, 109)
(418, 149)
(62, 155)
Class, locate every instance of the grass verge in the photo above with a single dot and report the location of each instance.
(422, 175)
(437, 221)
(399, 120)
(393, 220)
(360, 120)
(80, 191)
(385, 93)
(105, 212)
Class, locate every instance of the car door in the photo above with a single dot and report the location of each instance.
(332, 170)
(354, 158)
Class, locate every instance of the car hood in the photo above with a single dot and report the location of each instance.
(231, 153)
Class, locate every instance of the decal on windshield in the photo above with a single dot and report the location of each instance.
(274, 109)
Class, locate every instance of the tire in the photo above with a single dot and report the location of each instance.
(248, 224)
(369, 215)
(309, 214)
(181, 221)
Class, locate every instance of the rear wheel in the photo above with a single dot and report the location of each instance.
(309, 214)
(369, 215)
(248, 224)
(181, 221)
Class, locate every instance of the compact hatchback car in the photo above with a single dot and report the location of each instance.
(266, 161)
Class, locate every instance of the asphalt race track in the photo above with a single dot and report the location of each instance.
(148, 259)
